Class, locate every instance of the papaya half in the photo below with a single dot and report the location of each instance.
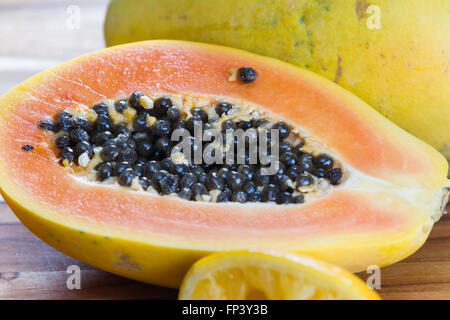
(393, 54)
(393, 185)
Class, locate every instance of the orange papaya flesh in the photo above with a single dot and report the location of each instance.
(395, 190)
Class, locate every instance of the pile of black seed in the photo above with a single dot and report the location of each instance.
(145, 153)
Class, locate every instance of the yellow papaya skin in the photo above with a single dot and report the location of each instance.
(394, 54)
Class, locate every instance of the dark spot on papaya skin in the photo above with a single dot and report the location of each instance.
(126, 262)
(311, 48)
(9, 276)
(383, 59)
(338, 73)
(124, 257)
(360, 8)
(27, 147)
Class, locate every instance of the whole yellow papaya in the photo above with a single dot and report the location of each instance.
(394, 54)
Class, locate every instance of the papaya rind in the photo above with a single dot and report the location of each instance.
(151, 261)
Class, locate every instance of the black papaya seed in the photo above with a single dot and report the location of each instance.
(247, 74)
(27, 147)
(126, 177)
(134, 146)
(104, 171)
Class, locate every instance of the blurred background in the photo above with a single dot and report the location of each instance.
(37, 34)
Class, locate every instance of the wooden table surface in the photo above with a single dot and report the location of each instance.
(34, 36)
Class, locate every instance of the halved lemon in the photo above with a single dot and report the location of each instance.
(251, 275)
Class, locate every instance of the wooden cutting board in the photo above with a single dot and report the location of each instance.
(30, 269)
